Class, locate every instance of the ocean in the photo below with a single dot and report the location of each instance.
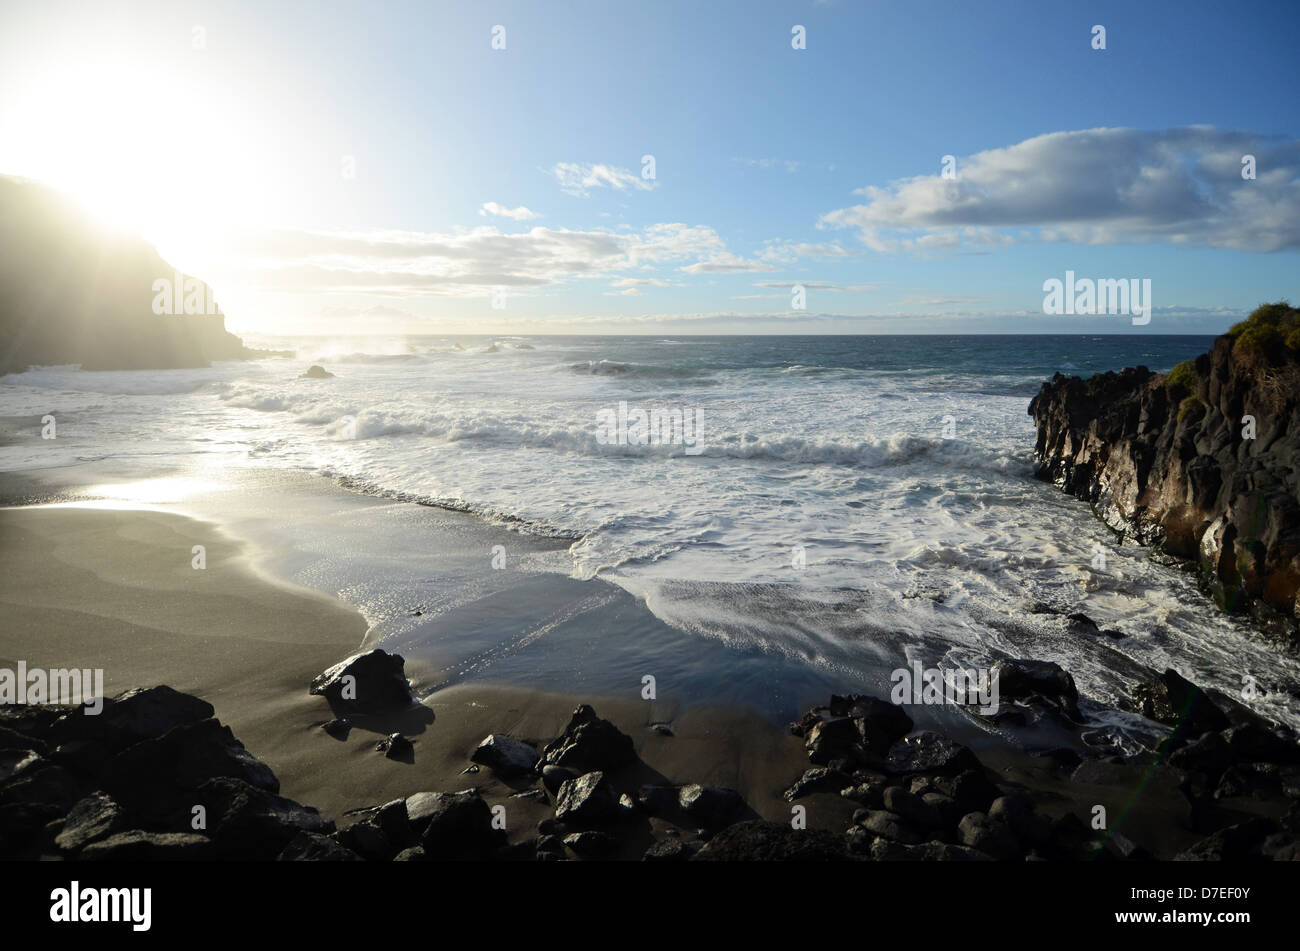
(805, 512)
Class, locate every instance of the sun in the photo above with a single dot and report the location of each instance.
(142, 151)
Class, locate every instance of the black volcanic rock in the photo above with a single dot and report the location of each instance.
(928, 752)
(1195, 712)
(460, 827)
(159, 775)
(1023, 679)
(95, 817)
(73, 293)
(590, 743)
(372, 682)
(310, 847)
(756, 841)
(585, 801)
(709, 805)
(140, 846)
(505, 755)
(250, 823)
(1170, 460)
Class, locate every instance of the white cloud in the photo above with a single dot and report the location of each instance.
(576, 178)
(1096, 186)
(817, 285)
(517, 214)
(765, 163)
(463, 264)
(727, 263)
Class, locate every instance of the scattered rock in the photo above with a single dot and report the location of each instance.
(315, 372)
(590, 743)
(247, 822)
(829, 740)
(1016, 812)
(911, 808)
(553, 777)
(712, 806)
(95, 817)
(585, 801)
(505, 756)
(420, 807)
(338, 728)
(591, 844)
(817, 779)
(667, 850)
(981, 833)
(460, 827)
(1195, 711)
(138, 846)
(758, 841)
(1025, 679)
(928, 752)
(373, 682)
(312, 847)
(868, 794)
(156, 776)
(396, 746)
(886, 850)
(658, 800)
(890, 826)
(1242, 841)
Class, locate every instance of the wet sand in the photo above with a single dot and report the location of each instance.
(115, 589)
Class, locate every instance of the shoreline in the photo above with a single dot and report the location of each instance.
(258, 680)
(114, 588)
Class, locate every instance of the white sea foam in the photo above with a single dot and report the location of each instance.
(912, 540)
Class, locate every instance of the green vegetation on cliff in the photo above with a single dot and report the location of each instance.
(1268, 326)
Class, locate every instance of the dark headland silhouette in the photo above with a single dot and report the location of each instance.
(73, 293)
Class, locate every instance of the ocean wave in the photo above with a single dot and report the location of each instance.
(378, 359)
(345, 421)
(633, 370)
(72, 379)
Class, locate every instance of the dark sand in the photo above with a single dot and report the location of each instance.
(114, 589)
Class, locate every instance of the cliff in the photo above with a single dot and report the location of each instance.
(1201, 462)
(70, 293)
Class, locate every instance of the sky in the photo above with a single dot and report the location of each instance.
(675, 167)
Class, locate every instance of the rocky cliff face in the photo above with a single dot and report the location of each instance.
(72, 294)
(1203, 462)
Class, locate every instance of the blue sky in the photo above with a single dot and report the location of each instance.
(346, 166)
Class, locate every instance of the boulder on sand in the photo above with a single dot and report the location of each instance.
(505, 755)
(373, 682)
(590, 743)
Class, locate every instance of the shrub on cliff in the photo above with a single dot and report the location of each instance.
(1268, 342)
(1267, 326)
(1187, 407)
(1183, 378)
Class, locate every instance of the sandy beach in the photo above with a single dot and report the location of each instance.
(103, 586)
(113, 588)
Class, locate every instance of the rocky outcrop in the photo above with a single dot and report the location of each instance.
(73, 293)
(152, 777)
(1202, 462)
